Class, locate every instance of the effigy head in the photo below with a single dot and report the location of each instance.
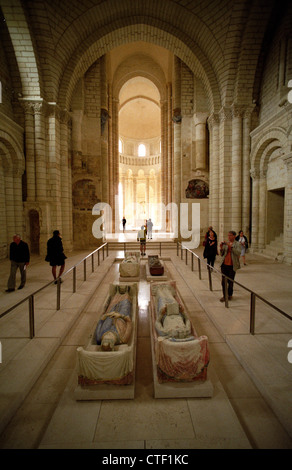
(108, 341)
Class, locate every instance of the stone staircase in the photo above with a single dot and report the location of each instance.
(275, 249)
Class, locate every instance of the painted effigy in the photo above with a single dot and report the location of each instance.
(109, 358)
(180, 354)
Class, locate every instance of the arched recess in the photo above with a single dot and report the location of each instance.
(11, 201)
(93, 48)
(26, 57)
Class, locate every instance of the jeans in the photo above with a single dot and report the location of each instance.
(12, 277)
(228, 271)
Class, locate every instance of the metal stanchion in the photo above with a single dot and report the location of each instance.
(252, 313)
(58, 293)
(31, 316)
(84, 269)
(210, 277)
(74, 279)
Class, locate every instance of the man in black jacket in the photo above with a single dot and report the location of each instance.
(19, 257)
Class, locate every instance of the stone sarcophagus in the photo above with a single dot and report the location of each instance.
(156, 266)
(107, 364)
(130, 266)
(180, 357)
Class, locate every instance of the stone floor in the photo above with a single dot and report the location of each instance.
(252, 378)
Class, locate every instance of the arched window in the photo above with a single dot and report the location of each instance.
(120, 146)
(141, 150)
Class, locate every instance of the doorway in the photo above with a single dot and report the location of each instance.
(34, 230)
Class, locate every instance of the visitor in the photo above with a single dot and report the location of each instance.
(141, 237)
(124, 223)
(230, 253)
(19, 257)
(55, 254)
(149, 228)
(207, 234)
(241, 238)
(210, 250)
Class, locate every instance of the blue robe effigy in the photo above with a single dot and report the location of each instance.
(109, 324)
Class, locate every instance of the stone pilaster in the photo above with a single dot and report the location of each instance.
(213, 123)
(255, 209)
(246, 183)
(262, 209)
(288, 210)
(199, 160)
(177, 136)
(40, 151)
(236, 168)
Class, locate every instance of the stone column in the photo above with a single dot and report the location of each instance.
(177, 138)
(164, 159)
(224, 174)
(110, 148)
(66, 194)
(40, 152)
(29, 150)
(246, 144)
(255, 209)
(134, 199)
(236, 169)
(115, 153)
(199, 162)
(104, 128)
(54, 170)
(9, 198)
(169, 144)
(213, 122)
(18, 204)
(288, 210)
(4, 235)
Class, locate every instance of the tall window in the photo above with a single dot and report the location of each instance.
(120, 146)
(141, 150)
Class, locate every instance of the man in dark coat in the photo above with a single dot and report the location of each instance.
(19, 257)
(55, 254)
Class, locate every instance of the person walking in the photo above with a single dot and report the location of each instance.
(241, 238)
(210, 250)
(55, 254)
(230, 253)
(124, 221)
(19, 256)
(141, 237)
(149, 228)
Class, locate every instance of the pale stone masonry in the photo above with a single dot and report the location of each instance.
(220, 72)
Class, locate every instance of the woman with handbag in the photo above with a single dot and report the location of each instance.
(241, 238)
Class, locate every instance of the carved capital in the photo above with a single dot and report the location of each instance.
(225, 114)
(213, 120)
(254, 173)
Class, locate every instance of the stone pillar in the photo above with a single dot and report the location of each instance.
(177, 138)
(18, 204)
(262, 210)
(40, 152)
(169, 147)
(199, 160)
(9, 198)
(115, 158)
(236, 169)
(246, 144)
(213, 122)
(134, 199)
(164, 159)
(255, 209)
(104, 129)
(4, 235)
(66, 193)
(29, 150)
(288, 211)
(110, 148)
(54, 171)
(225, 163)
